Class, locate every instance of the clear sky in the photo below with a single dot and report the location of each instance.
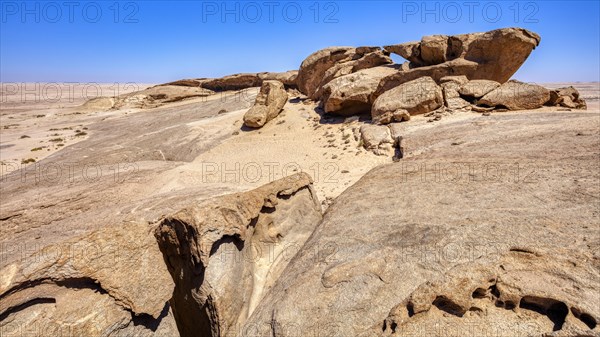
(159, 41)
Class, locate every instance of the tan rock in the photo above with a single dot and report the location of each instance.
(226, 253)
(459, 79)
(408, 50)
(377, 139)
(567, 97)
(498, 53)
(111, 281)
(478, 88)
(415, 97)
(434, 49)
(232, 82)
(288, 78)
(424, 260)
(516, 95)
(269, 102)
(351, 94)
(324, 65)
(436, 72)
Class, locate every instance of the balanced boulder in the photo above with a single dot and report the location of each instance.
(515, 95)
(269, 103)
(498, 53)
(415, 97)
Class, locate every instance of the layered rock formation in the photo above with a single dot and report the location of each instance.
(225, 254)
(269, 102)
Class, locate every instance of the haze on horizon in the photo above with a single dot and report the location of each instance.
(156, 41)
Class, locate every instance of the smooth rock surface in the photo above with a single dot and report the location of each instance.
(432, 248)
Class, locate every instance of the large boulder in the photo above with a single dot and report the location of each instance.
(351, 94)
(457, 67)
(225, 254)
(567, 97)
(415, 97)
(107, 283)
(498, 53)
(478, 88)
(515, 95)
(324, 65)
(269, 103)
(492, 237)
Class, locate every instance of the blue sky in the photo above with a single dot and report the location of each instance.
(156, 41)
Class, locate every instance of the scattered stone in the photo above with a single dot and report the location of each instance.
(377, 139)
